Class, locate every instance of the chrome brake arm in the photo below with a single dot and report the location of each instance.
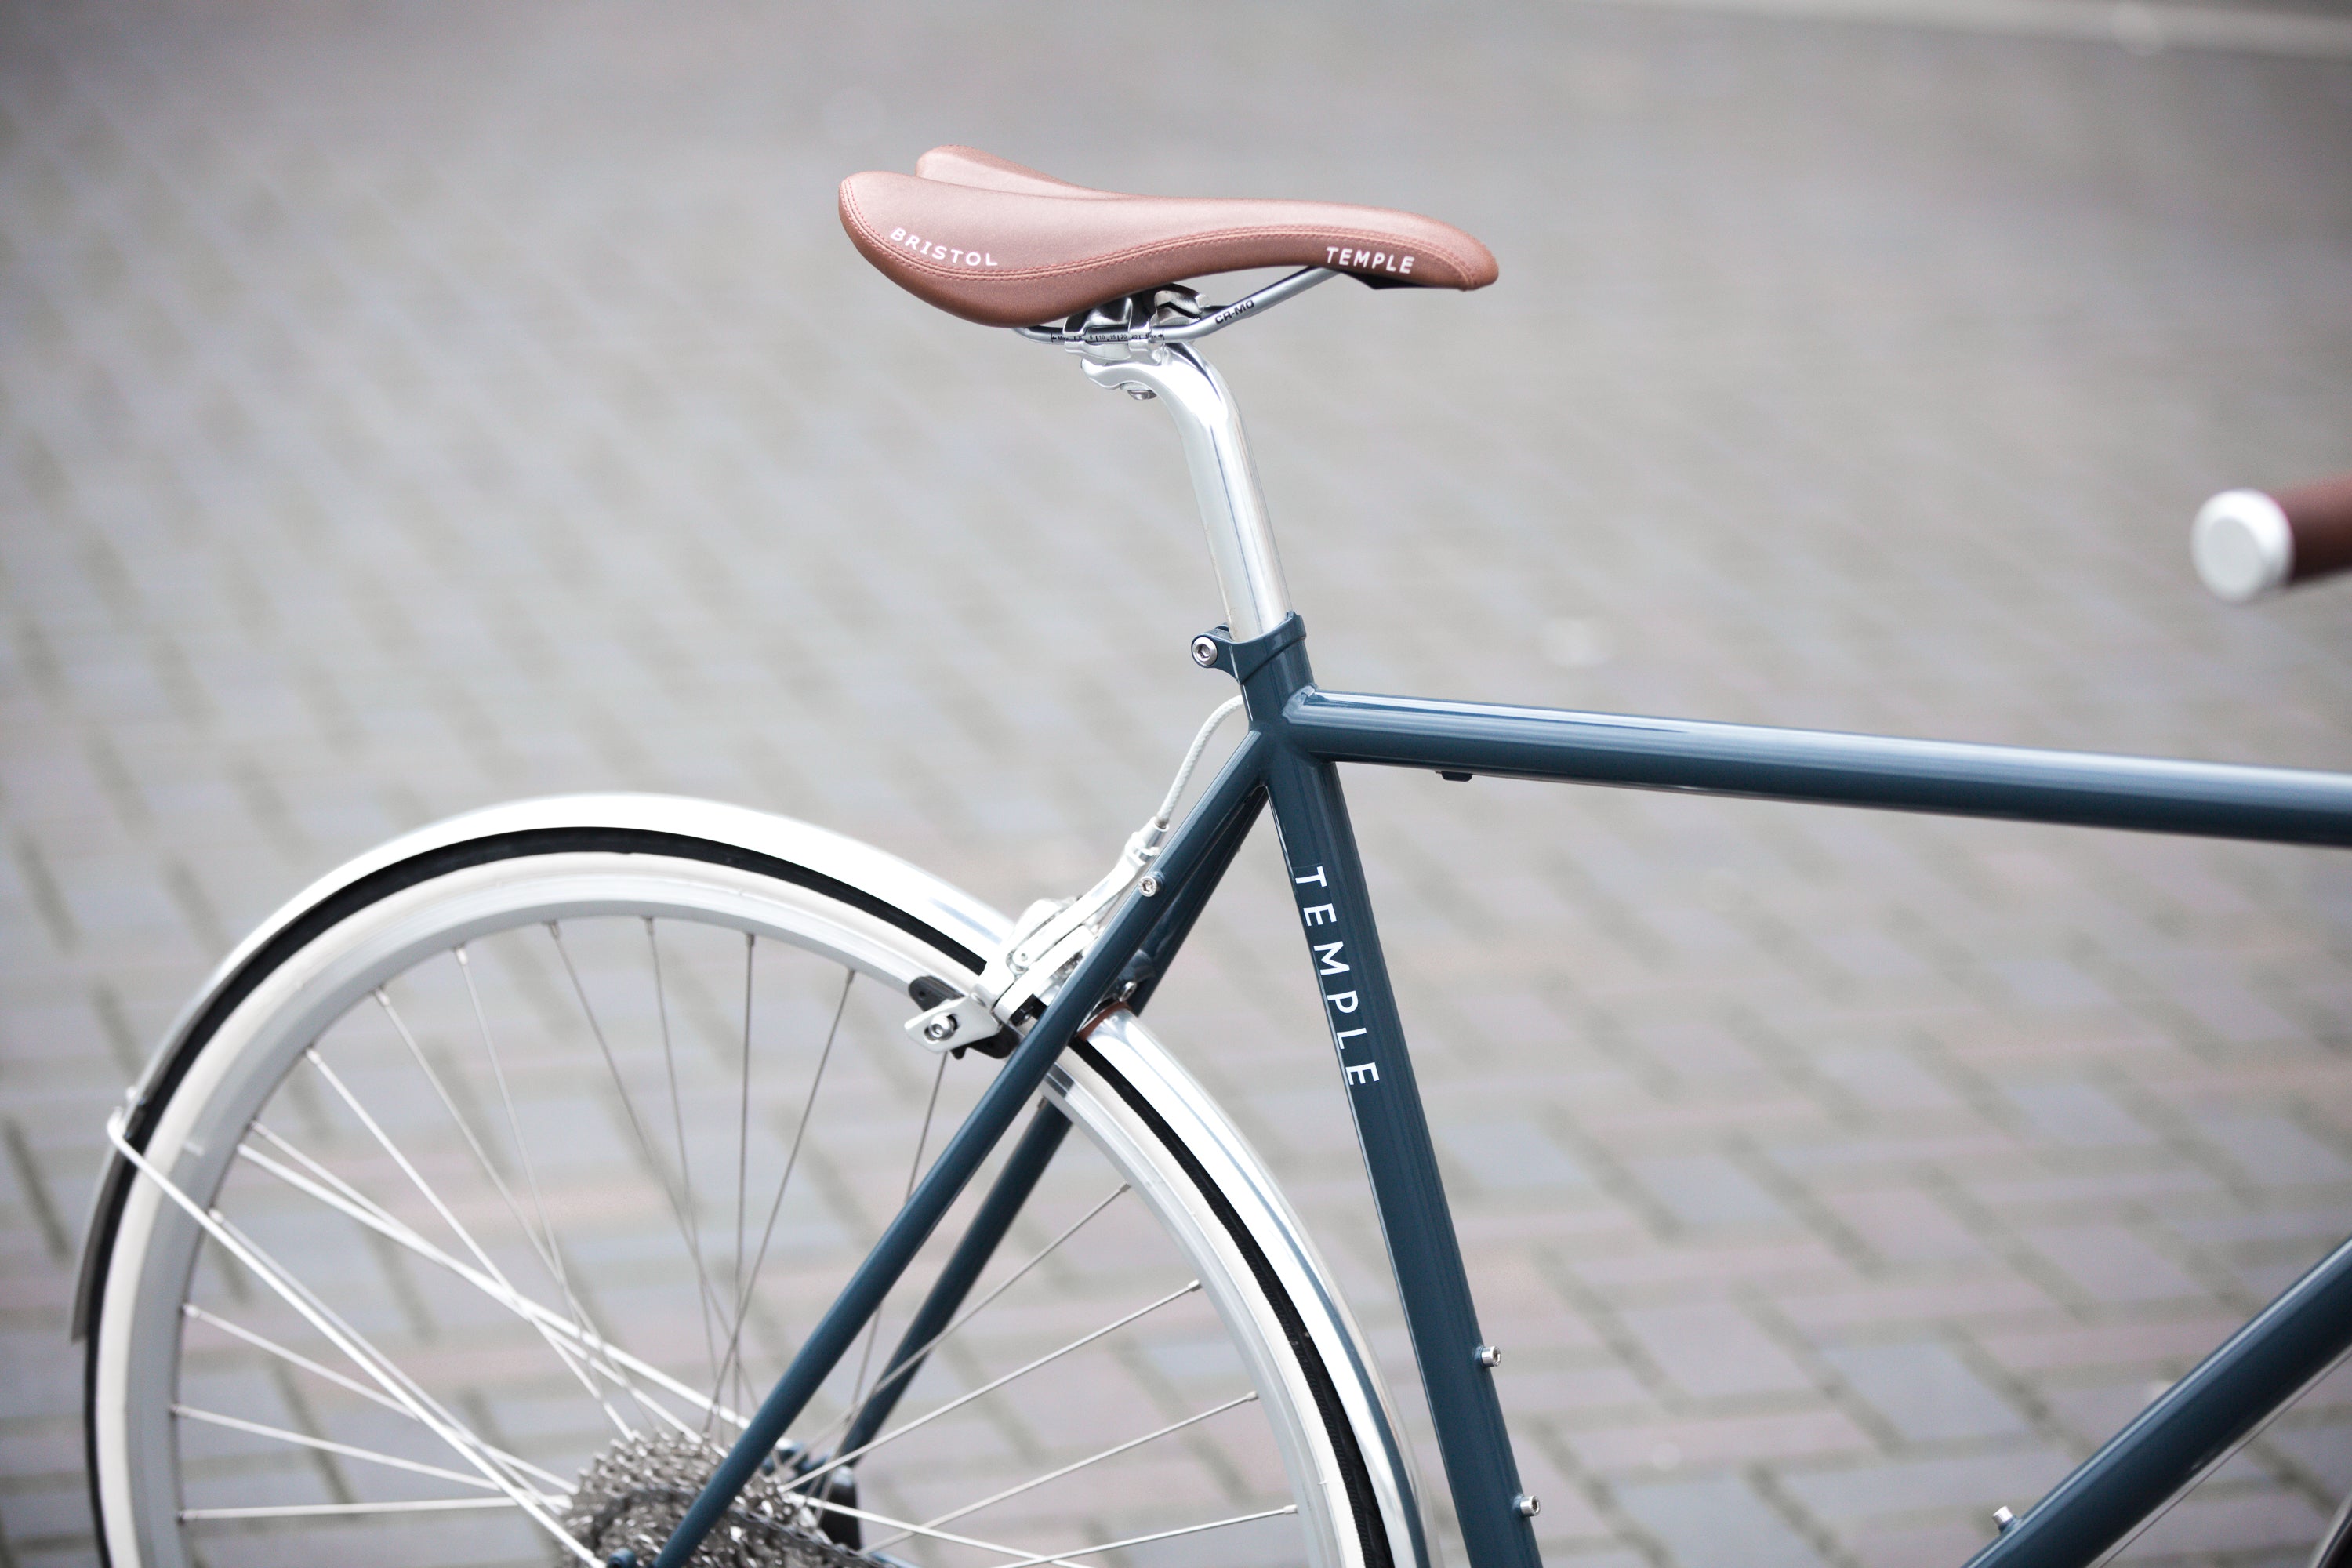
(1035, 962)
(1046, 944)
(1050, 938)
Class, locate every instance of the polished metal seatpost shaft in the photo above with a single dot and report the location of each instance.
(1232, 509)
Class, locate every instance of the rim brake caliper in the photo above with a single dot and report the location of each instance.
(1049, 939)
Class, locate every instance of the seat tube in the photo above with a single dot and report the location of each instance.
(1327, 879)
(1225, 480)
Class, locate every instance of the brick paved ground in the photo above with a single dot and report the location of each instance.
(408, 409)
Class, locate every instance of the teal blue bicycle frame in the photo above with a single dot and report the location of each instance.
(1298, 736)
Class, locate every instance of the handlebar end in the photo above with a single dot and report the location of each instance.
(2243, 545)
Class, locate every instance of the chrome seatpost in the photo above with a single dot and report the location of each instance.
(1143, 344)
(1233, 508)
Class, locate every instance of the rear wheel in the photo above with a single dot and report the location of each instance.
(476, 1206)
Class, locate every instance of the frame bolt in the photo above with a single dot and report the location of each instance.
(941, 1028)
(1527, 1505)
(1487, 1355)
(1204, 650)
(1148, 886)
(2003, 1517)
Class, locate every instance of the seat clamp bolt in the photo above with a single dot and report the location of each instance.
(1487, 1355)
(1204, 651)
(1527, 1505)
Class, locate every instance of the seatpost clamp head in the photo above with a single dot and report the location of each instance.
(1243, 659)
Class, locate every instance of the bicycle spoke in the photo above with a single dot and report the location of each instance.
(354, 1385)
(345, 1194)
(914, 1169)
(387, 1373)
(548, 1249)
(685, 1163)
(522, 1306)
(1110, 1453)
(542, 1240)
(1156, 1535)
(791, 1163)
(849, 1415)
(346, 1509)
(449, 1218)
(353, 1344)
(551, 1252)
(323, 1445)
(629, 1102)
(271, 1347)
(1048, 1559)
(742, 1166)
(905, 1528)
(960, 1401)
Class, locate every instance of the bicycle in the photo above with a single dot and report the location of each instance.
(469, 1059)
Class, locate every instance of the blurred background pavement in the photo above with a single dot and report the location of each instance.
(406, 407)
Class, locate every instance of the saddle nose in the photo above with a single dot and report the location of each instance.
(990, 240)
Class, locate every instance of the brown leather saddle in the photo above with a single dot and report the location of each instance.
(1007, 246)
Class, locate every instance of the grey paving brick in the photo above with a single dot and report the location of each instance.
(39, 1380)
(1888, 1081)
(2020, 1470)
(1708, 1190)
(1718, 1520)
(68, 1555)
(1508, 1156)
(1712, 1348)
(1925, 1391)
(2273, 1151)
(1707, 1443)
(2080, 1114)
(1994, 1295)
(44, 1513)
(1905, 1225)
(2323, 1448)
(2114, 1265)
